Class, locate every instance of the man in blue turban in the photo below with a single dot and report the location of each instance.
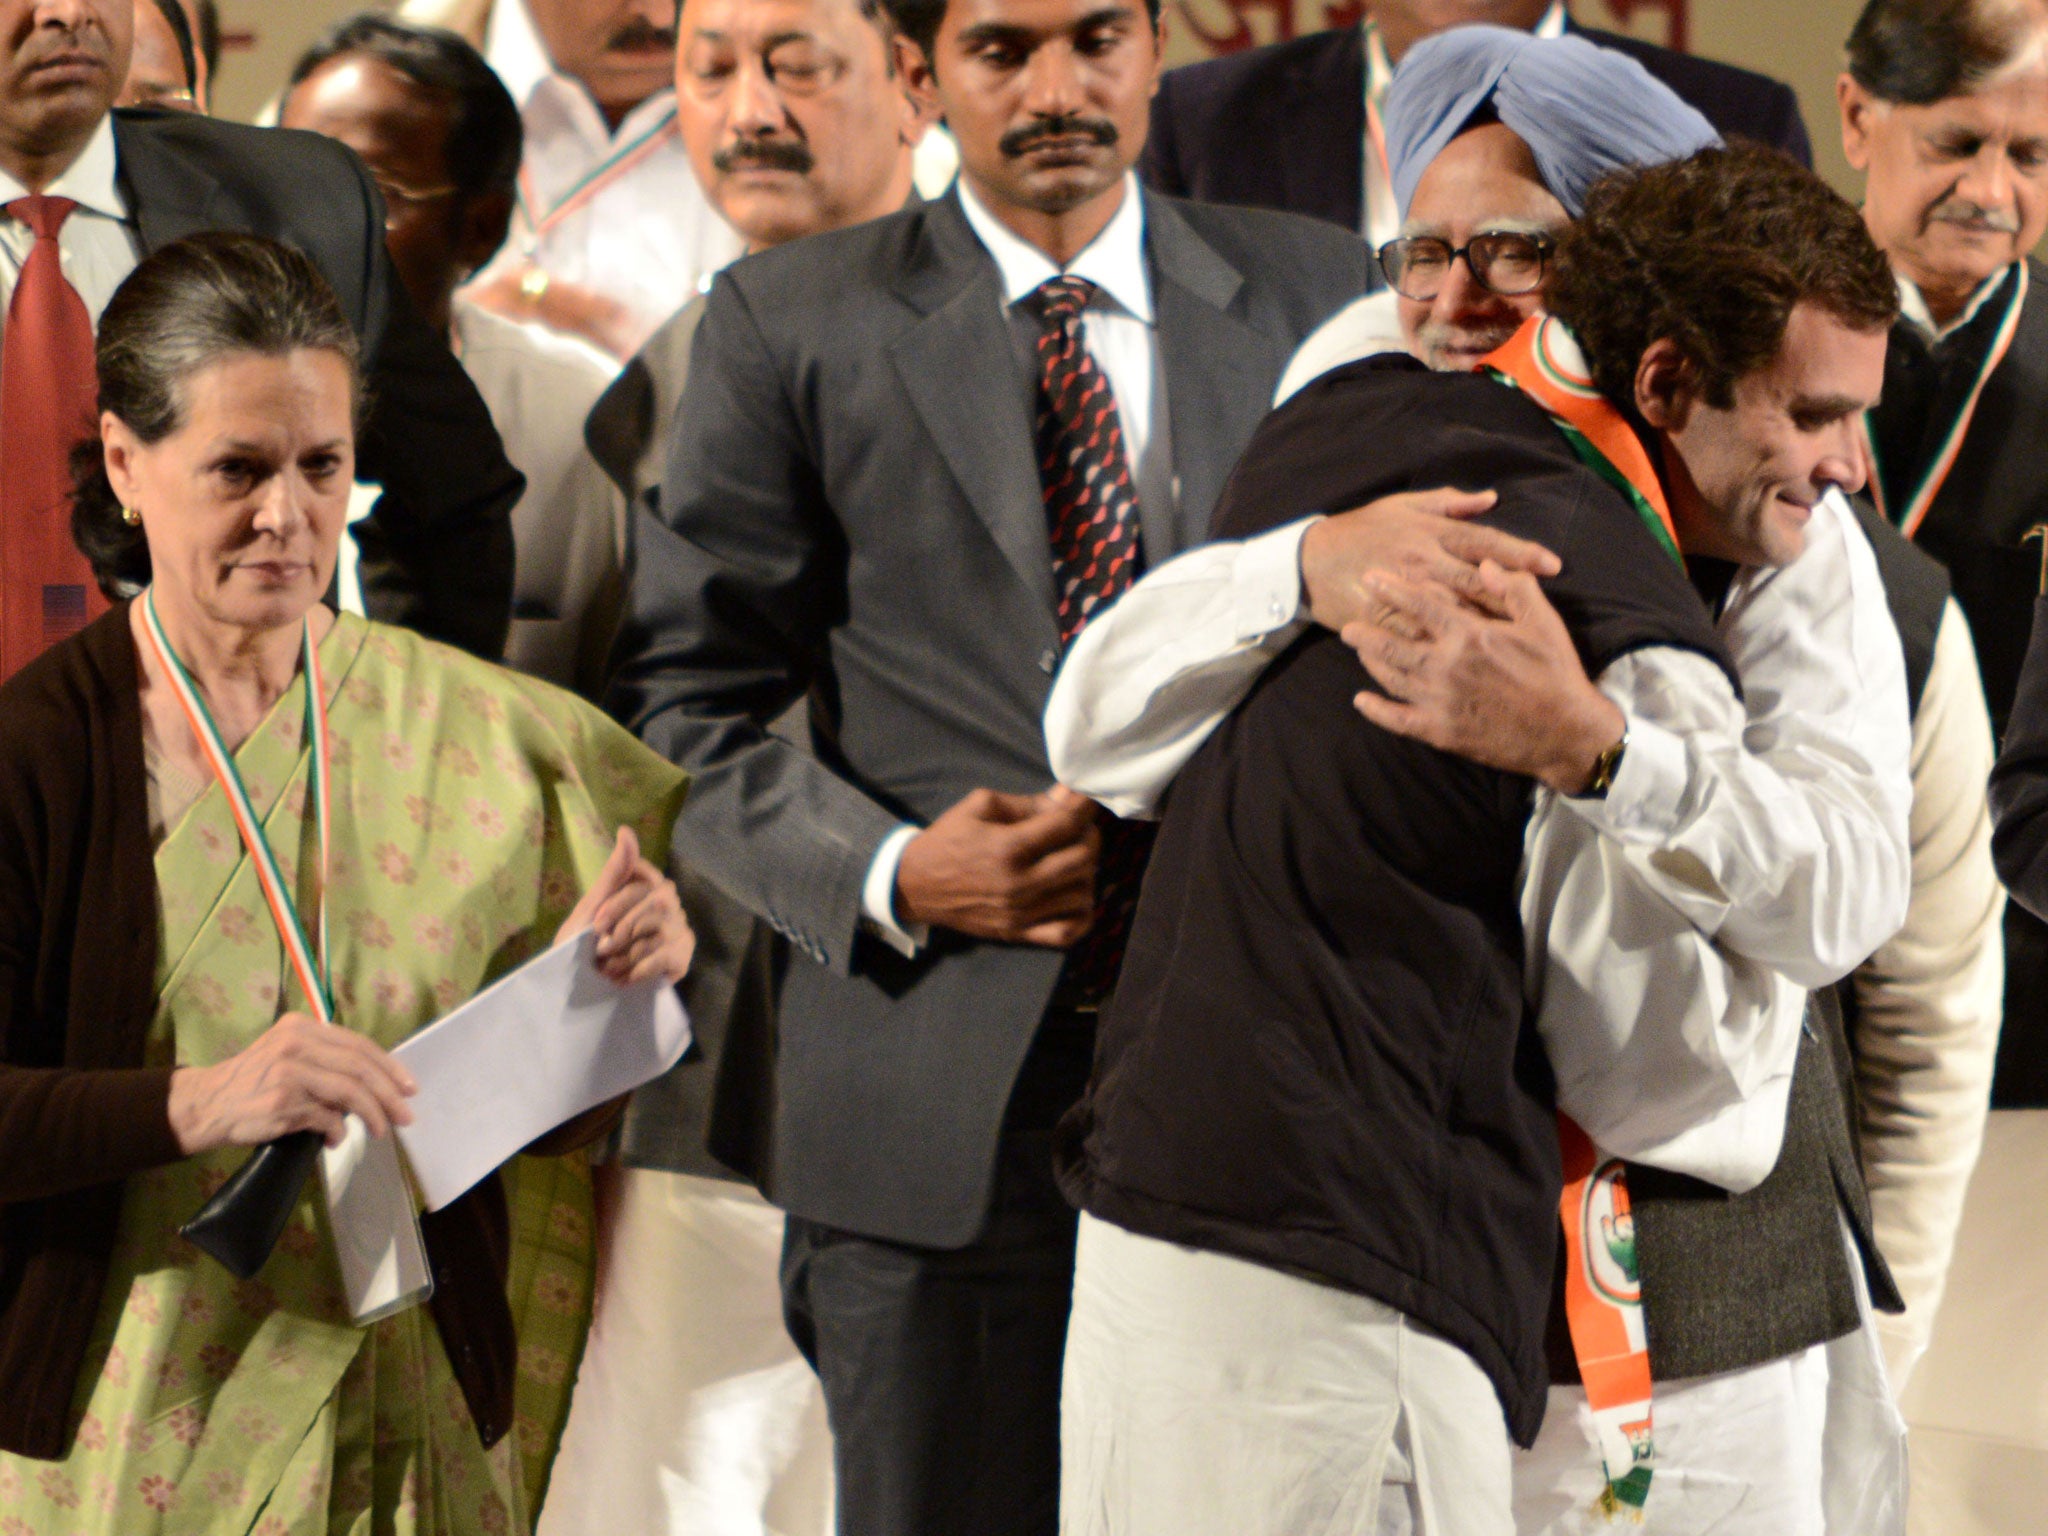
(1493, 136)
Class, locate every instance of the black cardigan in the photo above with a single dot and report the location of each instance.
(79, 935)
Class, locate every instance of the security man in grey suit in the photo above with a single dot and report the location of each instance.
(854, 513)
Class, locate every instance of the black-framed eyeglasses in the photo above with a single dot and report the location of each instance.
(1503, 261)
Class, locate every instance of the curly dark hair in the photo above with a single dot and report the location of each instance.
(1713, 252)
(192, 304)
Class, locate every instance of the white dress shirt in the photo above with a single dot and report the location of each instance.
(569, 524)
(650, 233)
(1738, 858)
(1120, 333)
(97, 245)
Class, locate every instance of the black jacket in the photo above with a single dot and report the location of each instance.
(1284, 126)
(437, 551)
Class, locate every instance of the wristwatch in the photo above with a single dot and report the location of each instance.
(1605, 766)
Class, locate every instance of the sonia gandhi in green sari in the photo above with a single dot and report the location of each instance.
(471, 810)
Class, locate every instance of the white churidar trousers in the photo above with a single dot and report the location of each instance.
(693, 1413)
(1208, 1396)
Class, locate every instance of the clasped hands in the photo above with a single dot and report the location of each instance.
(1448, 618)
(303, 1075)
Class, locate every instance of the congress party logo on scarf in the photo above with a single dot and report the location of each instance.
(1603, 1295)
(1543, 360)
(1603, 1302)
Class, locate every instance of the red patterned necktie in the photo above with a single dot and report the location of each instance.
(48, 402)
(1091, 511)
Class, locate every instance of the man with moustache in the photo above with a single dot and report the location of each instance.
(88, 194)
(912, 458)
(612, 233)
(791, 133)
(693, 1410)
(1945, 111)
(1174, 654)
(1294, 124)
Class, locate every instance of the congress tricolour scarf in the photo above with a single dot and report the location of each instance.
(1602, 1296)
(1910, 513)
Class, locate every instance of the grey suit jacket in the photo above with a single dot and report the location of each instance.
(851, 514)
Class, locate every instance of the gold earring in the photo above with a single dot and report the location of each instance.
(131, 517)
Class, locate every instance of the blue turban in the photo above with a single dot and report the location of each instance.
(1583, 110)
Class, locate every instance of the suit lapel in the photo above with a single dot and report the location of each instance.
(171, 196)
(958, 368)
(1219, 370)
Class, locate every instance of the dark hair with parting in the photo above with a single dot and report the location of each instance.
(919, 20)
(485, 136)
(196, 302)
(173, 13)
(1916, 52)
(209, 34)
(1713, 252)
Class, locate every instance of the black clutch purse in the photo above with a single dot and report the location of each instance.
(241, 1224)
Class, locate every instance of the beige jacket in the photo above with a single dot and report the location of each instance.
(1931, 1001)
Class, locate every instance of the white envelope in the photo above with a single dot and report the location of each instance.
(534, 1049)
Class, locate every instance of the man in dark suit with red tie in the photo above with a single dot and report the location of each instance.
(86, 194)
(1293, 125)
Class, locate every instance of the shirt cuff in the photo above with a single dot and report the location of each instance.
(878, 897)
(1265, 580)
(1642, 804)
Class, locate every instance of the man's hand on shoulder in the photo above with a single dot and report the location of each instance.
(1419, 535)
(1495, 679)
(1015, 868)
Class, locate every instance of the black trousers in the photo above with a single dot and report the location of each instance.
(941, 1368)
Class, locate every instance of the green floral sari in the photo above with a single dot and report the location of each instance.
(471, 806)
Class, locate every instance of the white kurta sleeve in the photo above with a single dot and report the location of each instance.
(1146, 683)
(1670, 971)
(1930, 1001)
(1787, 842)
(1669, 1049)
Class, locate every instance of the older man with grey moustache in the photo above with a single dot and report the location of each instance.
(693, 1410)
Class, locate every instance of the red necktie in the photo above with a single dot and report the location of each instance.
(1091, 510)
(48, 402)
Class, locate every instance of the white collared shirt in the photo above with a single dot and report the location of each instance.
(1120, 333)
(1913, 305)
(1381, 216)
(97, 245)
(1117, 328)
(650, 234)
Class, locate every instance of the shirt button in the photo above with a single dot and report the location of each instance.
(1047, 662)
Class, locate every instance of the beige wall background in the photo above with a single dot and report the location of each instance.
(1798, 41)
